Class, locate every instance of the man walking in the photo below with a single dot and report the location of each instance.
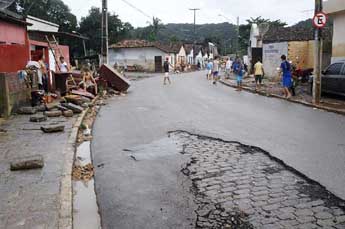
(215, 70)
(238, 70)
(166, 71)
(258, 73)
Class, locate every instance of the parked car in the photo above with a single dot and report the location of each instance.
(333, 79)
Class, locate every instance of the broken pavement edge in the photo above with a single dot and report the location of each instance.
(66, 191)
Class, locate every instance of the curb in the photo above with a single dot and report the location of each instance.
(341, 112)
(66, 191)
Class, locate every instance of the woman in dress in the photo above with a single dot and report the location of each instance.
(285, 69)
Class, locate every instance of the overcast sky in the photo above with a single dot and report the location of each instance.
(176, 11)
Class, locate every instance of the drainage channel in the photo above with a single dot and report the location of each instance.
(85, 208)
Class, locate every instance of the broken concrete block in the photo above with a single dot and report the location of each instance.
(53, 128)
(27, 110)
(51, 106)
(53, 113)
(68, 113)
(38, 118)
(62, 108)
(25, 163)
(115, 79)
(83, 93)
(75, 108)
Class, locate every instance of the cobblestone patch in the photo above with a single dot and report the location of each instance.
(238, 186)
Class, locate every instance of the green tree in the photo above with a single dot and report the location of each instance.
(244, 30)
(91, 27)
(51, 10)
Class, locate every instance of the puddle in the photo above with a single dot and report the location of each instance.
(160, 148)
(85, 209)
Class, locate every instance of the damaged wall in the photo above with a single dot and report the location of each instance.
(13, 93)
(144, 57)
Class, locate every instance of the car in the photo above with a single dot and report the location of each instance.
(333, 79)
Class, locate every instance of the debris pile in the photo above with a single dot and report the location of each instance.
(83, 173)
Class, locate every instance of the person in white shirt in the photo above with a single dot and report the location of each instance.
(63, 65)
(228, 67)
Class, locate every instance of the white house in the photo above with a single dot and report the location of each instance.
(145, 55)
(336, 9)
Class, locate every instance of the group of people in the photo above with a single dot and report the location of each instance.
(236, 67)
(88, 82)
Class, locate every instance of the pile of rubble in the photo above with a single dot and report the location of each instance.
(83, 173)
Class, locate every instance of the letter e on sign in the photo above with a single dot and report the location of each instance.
(320, 20)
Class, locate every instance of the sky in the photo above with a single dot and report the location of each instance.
(177, 11)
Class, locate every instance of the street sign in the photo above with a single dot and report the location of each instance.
(320, 20)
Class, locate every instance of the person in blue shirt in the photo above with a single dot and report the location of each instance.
(238, 71)
(209, 68)
(285, 71)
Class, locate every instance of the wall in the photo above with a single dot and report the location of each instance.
(12, 34)
(333, 6)
(144, 57)
(271, 57)
(338, 51)
(13, 57)
(301, 53)
(13, 93)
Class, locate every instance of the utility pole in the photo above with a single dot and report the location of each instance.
(238, 36)
(317, 57)
(105, 36)
(194, 9)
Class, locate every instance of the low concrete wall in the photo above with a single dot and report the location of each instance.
(13, 93)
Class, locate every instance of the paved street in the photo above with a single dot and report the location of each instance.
(138, 170)
(31, 199)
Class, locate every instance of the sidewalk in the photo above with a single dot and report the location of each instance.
(31, 199)
(274, 89)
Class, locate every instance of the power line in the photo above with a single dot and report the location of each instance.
(137, 9)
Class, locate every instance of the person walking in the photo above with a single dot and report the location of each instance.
(285, 72)
(215, 70)
(258, 73)
(209, 68)
(228, 67)
(238, 70)
(166, 66)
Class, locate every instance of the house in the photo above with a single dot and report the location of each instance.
(181, 58)
(336, 9)
(14, 42)
(14, 53)
(145, 55)
(38, 31)
(212, 50)
(294, 42)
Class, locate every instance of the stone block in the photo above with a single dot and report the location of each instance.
(53, 113)
(75, 108)
(53, 128)
(38, 118)
(27, 110)
(68, 113)
(26, 163)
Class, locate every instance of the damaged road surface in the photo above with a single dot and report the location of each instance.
(144, 179)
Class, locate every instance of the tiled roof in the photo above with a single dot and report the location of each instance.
(169, 48)
(281, 34)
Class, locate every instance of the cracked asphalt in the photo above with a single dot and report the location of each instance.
(139, 182)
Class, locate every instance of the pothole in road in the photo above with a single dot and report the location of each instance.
(238, 186)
